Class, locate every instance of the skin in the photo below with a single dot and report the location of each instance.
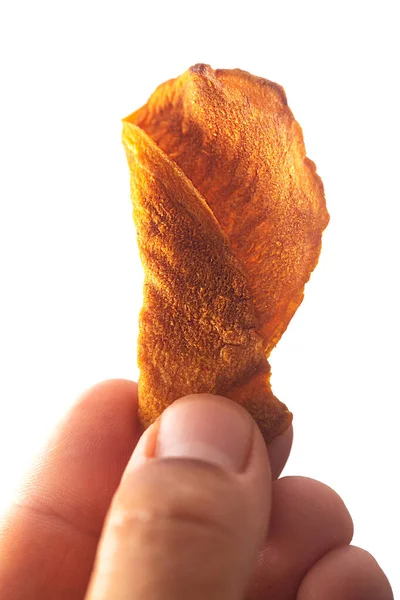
(84, 525)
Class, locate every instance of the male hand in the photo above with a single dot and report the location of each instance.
(192, 509)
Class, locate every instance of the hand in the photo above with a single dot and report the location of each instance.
(198, 506)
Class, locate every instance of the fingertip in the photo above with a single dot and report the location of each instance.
(110, 393)
(322, 499)
(347, 573)
(308, 519)
(279, 451)
(208, 428)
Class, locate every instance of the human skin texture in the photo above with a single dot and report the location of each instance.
(229, 214)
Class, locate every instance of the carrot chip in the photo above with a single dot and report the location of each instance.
(229, 214)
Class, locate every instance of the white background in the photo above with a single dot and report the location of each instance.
(70, 275)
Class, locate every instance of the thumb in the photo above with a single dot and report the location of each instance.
(192, 508)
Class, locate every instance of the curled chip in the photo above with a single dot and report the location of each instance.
(229, 214)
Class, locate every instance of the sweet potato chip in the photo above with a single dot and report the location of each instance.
(229, 214)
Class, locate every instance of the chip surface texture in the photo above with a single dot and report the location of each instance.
(229, 214)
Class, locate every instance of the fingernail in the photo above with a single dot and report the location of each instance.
(207, 428)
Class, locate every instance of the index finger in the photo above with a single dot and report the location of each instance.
(49, 539)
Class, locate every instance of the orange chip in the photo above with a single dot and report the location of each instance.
(229, 213)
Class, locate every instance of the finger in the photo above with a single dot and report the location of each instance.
(49, 539)
(348, 573)
(279, 450)
(308, 519)
(188, 522)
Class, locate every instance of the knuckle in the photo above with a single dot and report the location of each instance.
(172, 499)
